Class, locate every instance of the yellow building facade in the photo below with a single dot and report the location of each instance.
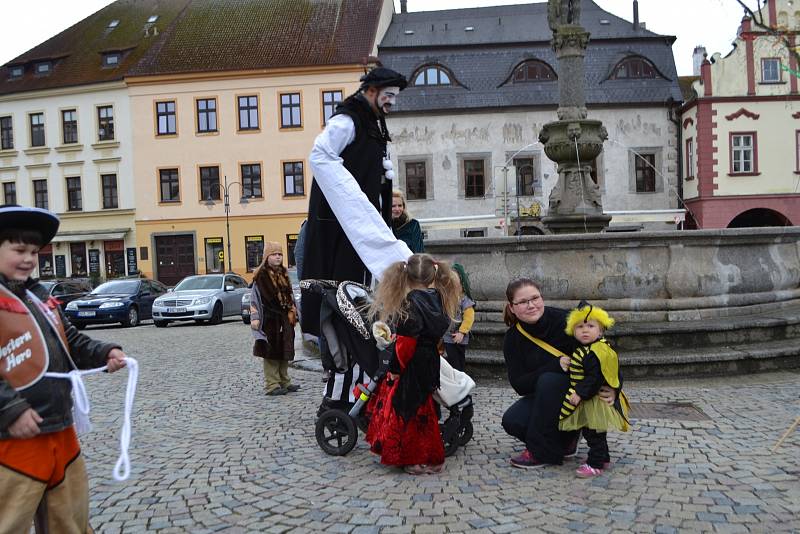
(252, 131)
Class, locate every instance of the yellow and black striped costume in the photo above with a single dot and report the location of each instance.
(590, 368)
(576, 374)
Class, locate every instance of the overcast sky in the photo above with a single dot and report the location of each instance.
(711, 23)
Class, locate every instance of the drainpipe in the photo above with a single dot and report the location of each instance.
(676, 120)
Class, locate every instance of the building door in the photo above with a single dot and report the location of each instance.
(174, 258)
(115, 258)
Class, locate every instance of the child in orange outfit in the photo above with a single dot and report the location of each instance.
(42, 473)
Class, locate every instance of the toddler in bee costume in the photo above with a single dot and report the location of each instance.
(591, 366)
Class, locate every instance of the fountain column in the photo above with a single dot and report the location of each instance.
(573, 141)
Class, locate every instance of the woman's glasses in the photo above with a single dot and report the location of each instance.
(528, 302)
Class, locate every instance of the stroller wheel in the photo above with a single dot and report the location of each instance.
(465, 433)
(336, 432)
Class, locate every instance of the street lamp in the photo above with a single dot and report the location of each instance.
(227, 205)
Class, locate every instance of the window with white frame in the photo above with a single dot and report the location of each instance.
(743, 153)
(6, 133)
(689, 158)
(770, 70)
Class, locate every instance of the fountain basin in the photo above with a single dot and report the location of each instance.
(706, 301)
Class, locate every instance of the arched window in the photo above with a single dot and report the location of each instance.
(432, 75)
(634, 67)
(533, 71)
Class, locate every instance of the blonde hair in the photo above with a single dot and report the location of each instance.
(399, 279)
(396, 193)
(587, 312)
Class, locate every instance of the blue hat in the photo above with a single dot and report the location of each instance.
(22, 218)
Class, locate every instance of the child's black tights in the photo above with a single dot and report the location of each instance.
(598, 448)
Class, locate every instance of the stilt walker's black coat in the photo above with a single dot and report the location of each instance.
(328, 253)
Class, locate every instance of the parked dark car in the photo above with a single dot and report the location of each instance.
(126, 301)
(67, 290)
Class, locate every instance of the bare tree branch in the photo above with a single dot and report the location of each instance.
(781, 33)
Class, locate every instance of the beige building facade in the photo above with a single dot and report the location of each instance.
(741, 133)
(69, 150)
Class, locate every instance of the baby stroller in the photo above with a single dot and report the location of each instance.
(348, 339)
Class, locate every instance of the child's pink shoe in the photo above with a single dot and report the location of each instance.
(587, 471)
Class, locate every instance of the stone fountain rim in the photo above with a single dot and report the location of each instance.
(642, 238)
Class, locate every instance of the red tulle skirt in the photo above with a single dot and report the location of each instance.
(400, 442)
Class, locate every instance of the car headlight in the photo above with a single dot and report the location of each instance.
(202, 300)
(112, 304)
(158, 302)
(246, 298)
(72, 306)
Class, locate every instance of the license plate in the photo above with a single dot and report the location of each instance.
(176, 310)
(86, 314)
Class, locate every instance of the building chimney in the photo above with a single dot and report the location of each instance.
(403, 6)
(635, 15)
(697, 59)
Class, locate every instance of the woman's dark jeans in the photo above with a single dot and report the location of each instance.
(533, 419)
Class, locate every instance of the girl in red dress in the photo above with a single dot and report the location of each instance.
(417, 297)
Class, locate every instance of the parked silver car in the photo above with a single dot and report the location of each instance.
(295, 291)
(208, 297)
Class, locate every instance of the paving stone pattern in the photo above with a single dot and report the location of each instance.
(212, 453)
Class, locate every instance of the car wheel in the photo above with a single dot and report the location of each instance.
(132, 319)
(246, 320)
(79, 326)
(216, 315)
(160, 324)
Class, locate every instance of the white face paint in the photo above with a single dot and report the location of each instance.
(385, 99)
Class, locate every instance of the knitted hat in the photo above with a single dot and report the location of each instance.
(585, 312)
(22, 218)
(270, 248)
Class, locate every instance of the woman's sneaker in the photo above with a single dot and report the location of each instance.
(526, 460)
(587, 471)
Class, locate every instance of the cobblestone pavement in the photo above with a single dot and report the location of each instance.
(211, 452)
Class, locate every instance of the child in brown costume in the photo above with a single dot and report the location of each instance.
(272, 317)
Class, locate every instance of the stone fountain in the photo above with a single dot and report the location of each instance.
(573, 141)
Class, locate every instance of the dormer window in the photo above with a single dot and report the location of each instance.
(113, 24)
(43, 67)
(152, 19)
(111, 59)
(15, 72)
(432, 75)
(634, 68)
(533, 70)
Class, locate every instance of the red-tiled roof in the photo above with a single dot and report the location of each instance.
(193, 36)
(77, 52)
(223, 35)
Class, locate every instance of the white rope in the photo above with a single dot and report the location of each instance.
(81, 409)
